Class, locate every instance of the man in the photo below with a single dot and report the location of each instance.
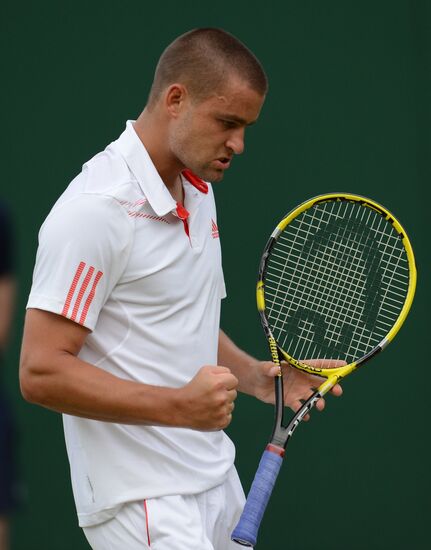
(122, 331)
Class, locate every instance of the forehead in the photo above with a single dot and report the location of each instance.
(235, 99)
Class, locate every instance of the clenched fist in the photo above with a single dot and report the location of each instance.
(207, 401)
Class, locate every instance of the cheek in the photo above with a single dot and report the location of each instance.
(188, 132)
(197, 140)
(178, 138)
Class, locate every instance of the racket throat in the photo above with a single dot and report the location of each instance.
(282, 434)
(278, 437)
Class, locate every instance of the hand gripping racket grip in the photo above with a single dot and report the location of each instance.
(245, 532)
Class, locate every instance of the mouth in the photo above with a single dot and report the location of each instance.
(223, 162)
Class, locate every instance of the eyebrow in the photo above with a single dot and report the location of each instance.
(237, 119)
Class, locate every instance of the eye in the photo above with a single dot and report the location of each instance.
(228, 124)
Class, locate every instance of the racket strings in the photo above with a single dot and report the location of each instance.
(335, 281)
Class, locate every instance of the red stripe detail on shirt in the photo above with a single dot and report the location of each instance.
(81, 292)
(146, 522)
(72, 288)
(214, 229)
(90, 297)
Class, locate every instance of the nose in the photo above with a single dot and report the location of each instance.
(235, 142)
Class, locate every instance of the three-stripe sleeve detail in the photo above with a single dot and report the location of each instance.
(79, 290)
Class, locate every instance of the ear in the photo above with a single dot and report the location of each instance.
(175, 97)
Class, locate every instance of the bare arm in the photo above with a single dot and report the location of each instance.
(242, 365)
(53, 376)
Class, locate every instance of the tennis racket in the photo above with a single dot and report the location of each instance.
(336, 281)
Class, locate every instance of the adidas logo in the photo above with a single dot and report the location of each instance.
(214, 230)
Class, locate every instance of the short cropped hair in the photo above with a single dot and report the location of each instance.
(201, 59)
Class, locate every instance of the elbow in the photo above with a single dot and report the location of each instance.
(28, 385)
(31, 381)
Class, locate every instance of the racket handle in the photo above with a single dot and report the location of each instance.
(245, 532)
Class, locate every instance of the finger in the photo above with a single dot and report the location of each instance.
(232, 395)
(337, 390)
(269, 369)
(228, 420)
(273, 371)
(229, 381)
(296, 406)
(320, 405)
(219, 370)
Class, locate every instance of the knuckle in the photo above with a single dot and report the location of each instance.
(219, 401)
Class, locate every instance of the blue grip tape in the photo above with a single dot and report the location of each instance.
(245, 532)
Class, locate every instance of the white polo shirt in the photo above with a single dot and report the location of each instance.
(115, 256)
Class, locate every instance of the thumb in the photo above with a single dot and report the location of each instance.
(220, 370)
(269, 369)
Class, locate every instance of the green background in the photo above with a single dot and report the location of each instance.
(349, 110)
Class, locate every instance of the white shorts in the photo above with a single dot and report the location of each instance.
(180, 522)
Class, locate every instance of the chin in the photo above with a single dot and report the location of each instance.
(210, 174)
(216, 177)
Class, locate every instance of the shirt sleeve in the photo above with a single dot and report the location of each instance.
(84, 245)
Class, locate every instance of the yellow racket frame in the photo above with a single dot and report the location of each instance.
(335, 374)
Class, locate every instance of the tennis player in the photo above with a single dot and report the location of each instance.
(122, 330)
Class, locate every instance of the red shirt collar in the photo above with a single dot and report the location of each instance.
(195, 181)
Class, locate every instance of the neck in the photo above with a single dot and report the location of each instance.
(151, 130)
